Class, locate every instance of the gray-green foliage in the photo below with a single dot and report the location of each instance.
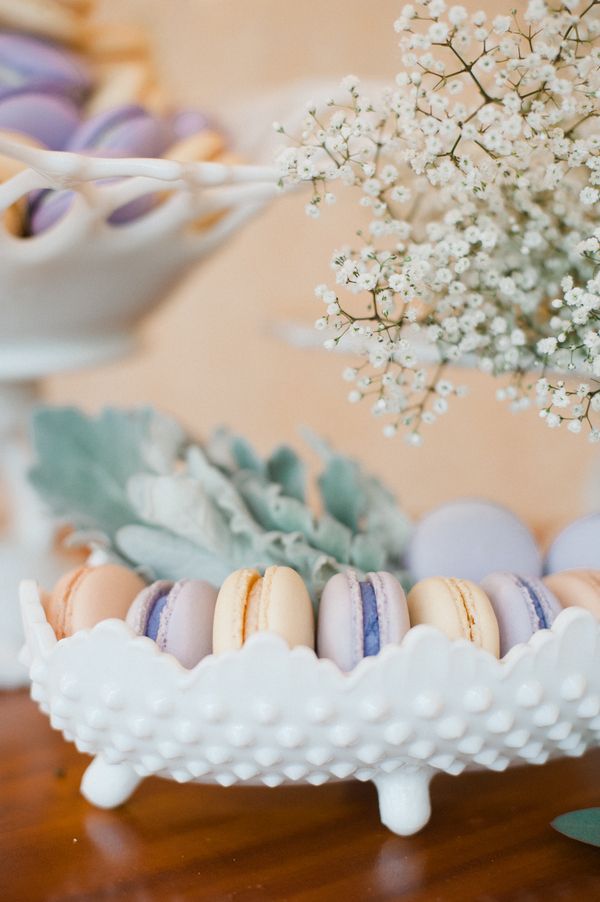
(175, 508)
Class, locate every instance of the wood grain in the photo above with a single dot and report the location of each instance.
(489, 838)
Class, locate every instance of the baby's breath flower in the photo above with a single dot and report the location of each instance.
(480, 184)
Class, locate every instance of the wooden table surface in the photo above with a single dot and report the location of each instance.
(489, 838)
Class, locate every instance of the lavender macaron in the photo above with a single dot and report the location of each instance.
(43, 115)
(522, 605)
(32, 62)
(186, 122)
(576, 547)
(126, 131)
(471, 538)
(177, 616)
(358, 617)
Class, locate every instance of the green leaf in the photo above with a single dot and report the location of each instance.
(180, 504)
(367, 553)
(275, 511)
(361, 501)
(245, 456)
(583, 825)
(341, 491)
(165, 556)
(83, 463)
(286, 468)
(385, 520)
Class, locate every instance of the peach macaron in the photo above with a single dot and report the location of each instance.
(248, 603)
(577, 588)
(86, 595)
(457, 607)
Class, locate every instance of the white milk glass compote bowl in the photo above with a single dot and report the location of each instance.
(74, 295)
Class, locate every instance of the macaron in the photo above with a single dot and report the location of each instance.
(577, 588)
(127, 131)
(60, 20)
(43, 115)
(30, 61)
(188, 121)
(471, 538)
(177, 616)
(357, 617)
(522, 605)
(115, 42)
(248, 603)
(457, 607)
(576, 547)
(124, 81)
(203, 145)
(86, 595)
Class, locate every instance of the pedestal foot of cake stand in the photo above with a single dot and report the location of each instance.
(404, 803)
(108, 785)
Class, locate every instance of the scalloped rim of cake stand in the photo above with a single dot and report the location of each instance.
(268, 715)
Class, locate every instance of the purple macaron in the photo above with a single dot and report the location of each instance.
(32, 62)
(522, 605)
(187, 122)
(41, 114)
(357, 617)
(470, 538)
(126, 131)
(177, 616)
(577, 547)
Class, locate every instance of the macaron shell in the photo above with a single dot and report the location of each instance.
(471, 538)
(25, 59)
(392, 607)
(512, 606)
(129, 81)
(115, 42)
(576, 547)
(286, 608)
(439, 602)
(230, 610)
(189, 616)
(577, 588)
(126, 130)
(340, 628)
(56, 601)
(140, 608)
(186, 122)
(53, 20)
(101, 593)
(206, 145)
(48, 118)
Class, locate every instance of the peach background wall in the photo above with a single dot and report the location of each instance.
(208, 355)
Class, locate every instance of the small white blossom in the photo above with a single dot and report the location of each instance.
(478, 193)
(589, 196)
(501, 24)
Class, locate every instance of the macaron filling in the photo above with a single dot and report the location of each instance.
(465, 607)
(539, 605)
(153, 624)
(370, 615)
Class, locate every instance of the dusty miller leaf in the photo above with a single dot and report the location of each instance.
(83, 463)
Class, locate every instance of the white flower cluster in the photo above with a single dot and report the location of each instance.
(478, 174)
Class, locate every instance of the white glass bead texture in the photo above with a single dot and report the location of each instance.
(269, 715)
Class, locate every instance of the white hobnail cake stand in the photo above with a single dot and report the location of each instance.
(267, 715)
(75, 295)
